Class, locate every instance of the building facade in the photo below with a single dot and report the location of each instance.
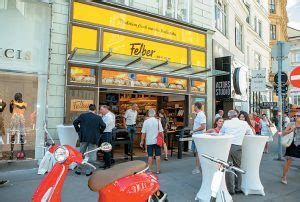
(294, 55)
(242, 35)
(278, 21)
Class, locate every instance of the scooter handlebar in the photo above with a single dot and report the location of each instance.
(86, 163)
(237, 169)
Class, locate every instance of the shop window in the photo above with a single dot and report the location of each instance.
(85, 38)
(238, 35)
(221, 16)
(78, 101)
(135, 80)
(198, 58)
(198, 87)
(19, 124)
(82, 75)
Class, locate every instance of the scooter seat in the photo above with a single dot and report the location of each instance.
(101, 178)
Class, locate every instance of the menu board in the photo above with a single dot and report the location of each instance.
(82, 75)
(116, 78)
(198, 86)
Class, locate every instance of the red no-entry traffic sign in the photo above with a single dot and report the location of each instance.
(295, 77)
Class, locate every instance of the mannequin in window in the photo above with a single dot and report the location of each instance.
(2, 128)
(17, 124)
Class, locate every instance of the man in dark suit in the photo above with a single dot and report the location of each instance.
(89, 126)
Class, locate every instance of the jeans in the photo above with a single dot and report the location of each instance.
(131, 130)
(107, 137)
(235, 156)
(84, 146)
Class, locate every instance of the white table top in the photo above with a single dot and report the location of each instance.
(207, 136)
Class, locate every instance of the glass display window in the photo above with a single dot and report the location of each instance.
(198, 87)
(81, 75)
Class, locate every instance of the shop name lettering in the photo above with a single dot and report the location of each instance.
(76, 105)
(140, 26)
(140, 49)
(9, 53)
(223, 88)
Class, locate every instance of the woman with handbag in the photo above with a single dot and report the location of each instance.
(293, 149)
(152, 132)
(265, 124)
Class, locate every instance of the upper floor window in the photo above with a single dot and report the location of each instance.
(258, 61)
(297, 57)
(272, 6)
(255, 24)
(260, 28)
(248, 19)
(220, 12)
(178, 9)
(272, 32)
(238, 35)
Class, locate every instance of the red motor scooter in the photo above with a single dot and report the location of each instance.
(123, 183)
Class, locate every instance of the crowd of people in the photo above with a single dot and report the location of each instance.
(93, 128)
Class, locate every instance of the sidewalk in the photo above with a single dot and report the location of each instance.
(176, 179)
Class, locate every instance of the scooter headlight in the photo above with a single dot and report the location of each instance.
(61, 154)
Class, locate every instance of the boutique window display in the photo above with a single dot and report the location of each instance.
(2, 128)
(17, 124)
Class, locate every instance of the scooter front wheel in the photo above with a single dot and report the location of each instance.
(159, 196)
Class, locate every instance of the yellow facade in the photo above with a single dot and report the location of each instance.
(280, 19)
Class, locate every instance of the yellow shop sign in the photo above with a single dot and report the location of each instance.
(140, 47)
(101, 16)
(78, 105)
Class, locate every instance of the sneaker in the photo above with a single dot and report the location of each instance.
(195, 171)
(3, 182)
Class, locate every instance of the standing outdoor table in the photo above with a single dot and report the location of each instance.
(67, 135)
(218, 147)
(252, 150)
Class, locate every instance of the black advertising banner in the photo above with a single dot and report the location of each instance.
(223, 83)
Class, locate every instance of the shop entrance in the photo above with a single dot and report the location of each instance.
(174, 106)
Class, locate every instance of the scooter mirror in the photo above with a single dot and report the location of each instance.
(106, 147)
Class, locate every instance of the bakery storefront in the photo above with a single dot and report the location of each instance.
(117, 57)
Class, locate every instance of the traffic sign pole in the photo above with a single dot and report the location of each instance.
(280, 58)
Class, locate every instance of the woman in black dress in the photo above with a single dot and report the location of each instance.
(293, 151)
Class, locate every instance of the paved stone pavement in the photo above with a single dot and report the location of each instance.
(176, 179)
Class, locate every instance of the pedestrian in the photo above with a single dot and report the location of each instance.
(257, 123)
(217, 126)
(110, 121)
(265, 125)
(199, 127)
(89, 126)
(293, 151)
(164, 122)
(244, 116)
(238, 129)
(219, 114)
(252, 121)
(2, 127)
(129, 121)
(151, 127)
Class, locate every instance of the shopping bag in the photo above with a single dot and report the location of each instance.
(273, 130)
(159, 140)
(287, 139)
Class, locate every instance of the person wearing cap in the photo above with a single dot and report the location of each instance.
(89, 126)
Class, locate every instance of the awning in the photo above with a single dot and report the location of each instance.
(140, 64)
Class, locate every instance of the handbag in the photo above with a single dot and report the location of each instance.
(273, 130)
(287, 140)
(159, 140)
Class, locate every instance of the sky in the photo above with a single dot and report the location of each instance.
(293, 10)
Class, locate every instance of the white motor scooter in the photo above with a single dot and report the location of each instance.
(218, 176)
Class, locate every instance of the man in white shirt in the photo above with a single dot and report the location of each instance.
(199, 127)
(110, 121)
(150, 130)
(219, 114)
(238, 129)
(129, 121)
